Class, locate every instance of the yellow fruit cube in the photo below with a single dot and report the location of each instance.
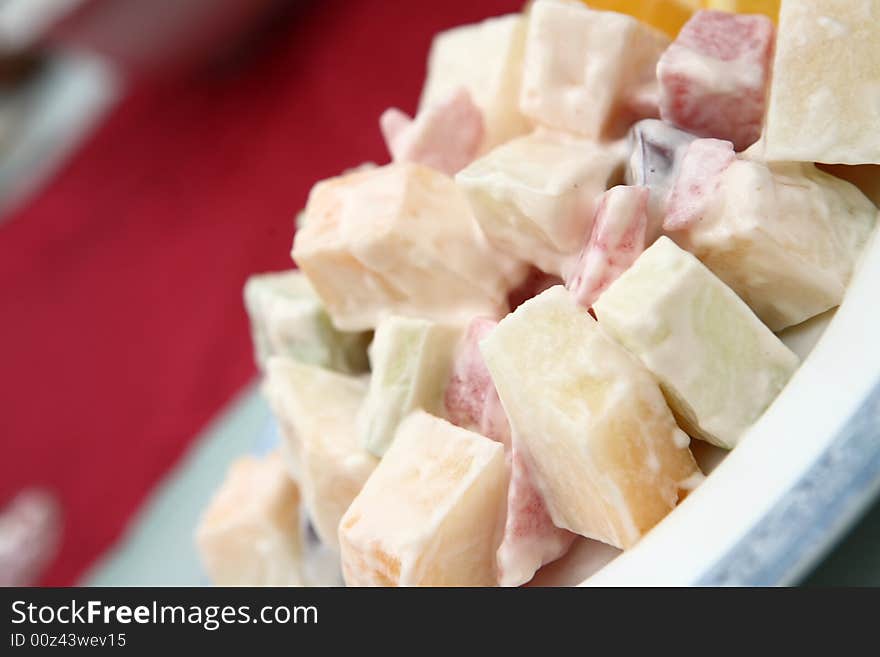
(767, 7)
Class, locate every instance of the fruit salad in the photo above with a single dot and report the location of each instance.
(573, 270)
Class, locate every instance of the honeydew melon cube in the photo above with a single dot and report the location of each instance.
(431, 513)
(486, 59)
(600, 440)
(288, 319)
(411, 360)
(785, 237)
(589, 72)
(718, 365)
(249, 534)
(665, 15)
(825, 94)
(399, 239)
(535, 196)
(316, 411)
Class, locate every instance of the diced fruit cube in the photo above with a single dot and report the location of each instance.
(668, 304)
(769, 8)
(699, 179)
(411, 361)
(593, 424)
(666, 15)
(288, 319)
(316, 411)
(535, 196)
(825, 95)
(486, 59)
(617, 239)
(431, 513)
(713, 78)
(399, 239)
(589, 72)
(785, 237)
(249, 534)
(445, 137)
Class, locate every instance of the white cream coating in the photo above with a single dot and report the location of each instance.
(718, 365)
(589, 72)
(486, 59)
(431, 512)
(825, 94)
(590, 419)
(411, 361)
(400, 239)
(316, 410)
(535, 196)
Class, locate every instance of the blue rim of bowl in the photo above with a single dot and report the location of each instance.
(806, 522)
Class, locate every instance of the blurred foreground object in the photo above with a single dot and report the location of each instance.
(30, 530)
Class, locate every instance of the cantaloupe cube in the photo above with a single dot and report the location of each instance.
(486, 59)
(431, 513)
(399, 239)
(589, 72)
(316, 411)
(666, 15)
(718, 365)
(249, 534)
(288, 319)
(825, 95)
(601, 441)
(535, 196)
(784, 237)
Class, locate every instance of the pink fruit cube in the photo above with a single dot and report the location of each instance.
(617, 239)
(698, 181)
(446, 136)
(713, 78)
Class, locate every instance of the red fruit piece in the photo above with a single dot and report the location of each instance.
(713, 78)
(698, 181)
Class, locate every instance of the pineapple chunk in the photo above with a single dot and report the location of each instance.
(288, 319)
(399, 239)
(411, 360)
(316, 410)
(249, 534)
(668, 304)
(825, 93)
(602, 444)
(666, 15)
(431, 513)
(486, 59)
(535, 196)
(589, 72)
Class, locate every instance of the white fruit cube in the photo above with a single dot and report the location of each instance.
(316, 411)
(784, 237)
(288, 319)
(486, 59)
(600, 440)
(431, 513)
(411, 361)
(249, 534)
(589, 72)
(535, 196)
(399, 239)
(718, 365)
(825, 95)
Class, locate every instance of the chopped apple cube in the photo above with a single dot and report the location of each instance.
(599, 438)
(713, 78)
(589, 72)
(411, 360)
(399, 239)
(486, 59)
(288, 319)
(617, 239)
(669, 304)
(445, 137)
(825, 95)
(431, 513)
(666, 15)
(249, 534)
(785, 237)
(535, 196)
(317, 410)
